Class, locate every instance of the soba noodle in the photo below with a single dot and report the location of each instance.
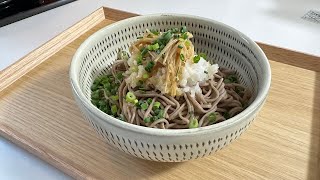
(168, 105)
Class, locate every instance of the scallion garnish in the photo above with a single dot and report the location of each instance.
(144, 51)
(180, 46)
(203, 55)
(181, 57)
(115, 98)
(183, 29)
(232, 78)
(156, 105)
(149, 100)
(144, 106)
(149, 66)
(184, 36)
(119, 76)
(139, 59)
(175, 30)
(226, 115)
(196, 59)
(212, 117)
(154, 32)
(160, 114)
(153, 47)
(145, 76)
(187, 43)
(114, 109)
(193, 123)
(130, 97)
(147, 119)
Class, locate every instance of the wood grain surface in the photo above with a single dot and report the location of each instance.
(38, 112)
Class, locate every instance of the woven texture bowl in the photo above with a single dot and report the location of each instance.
(223, 44)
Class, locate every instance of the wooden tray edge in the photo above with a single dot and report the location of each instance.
(37, 150)
(39, 55)
(291, 57)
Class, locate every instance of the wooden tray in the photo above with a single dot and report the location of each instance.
(38, 112)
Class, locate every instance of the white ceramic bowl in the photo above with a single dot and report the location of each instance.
(227, 46)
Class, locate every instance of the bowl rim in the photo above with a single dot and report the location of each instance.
(246, 113)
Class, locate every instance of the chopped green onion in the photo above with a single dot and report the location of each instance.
(161, 46)
(95, 102)
(147, 119)
(156, 46)
(149, 66)
(95, 94)
(149, 100)
(206, 72)
(144, 51)
(227, 81)
(196, 59)
(135, 101)
(150, 48)
(154, 32)
(226, 115)
(145, 76)
(153, 47)
(188, 43)
(203, 55)
(212, 117)
(104, 80)
(156, 105)
(139, 37)
(184, 36)
(114, 109)
(141, 102)
(139, 59)
(107, 85)
(102, 103)
(154, 118)
(119, 76)
(166, 37)
(94, 87)
(181, 57)
(114, 91)
(176, 36)
(130, 97)
(156, 111)
(160, 114)
(231, 78)
(115, 97)
(183, 29)
(174, 30)
(97, 80)
(180, 46)
(193, 123)
(107, 92)
(144, 106)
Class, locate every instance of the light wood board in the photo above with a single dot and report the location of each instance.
(38, 112)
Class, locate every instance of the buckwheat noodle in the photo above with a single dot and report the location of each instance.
(225, 100)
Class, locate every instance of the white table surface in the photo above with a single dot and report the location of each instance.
(276, 22)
